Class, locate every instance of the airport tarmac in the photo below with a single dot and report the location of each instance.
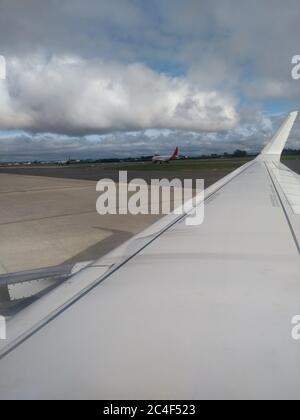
(96, 172)
(49, 221)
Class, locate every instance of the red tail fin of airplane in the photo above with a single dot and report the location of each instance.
(175, 154)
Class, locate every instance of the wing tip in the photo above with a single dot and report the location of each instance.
(294, 114)
(277, 143)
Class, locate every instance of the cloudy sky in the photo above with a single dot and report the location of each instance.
(102, 78)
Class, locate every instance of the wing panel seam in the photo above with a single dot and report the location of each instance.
(284, 210)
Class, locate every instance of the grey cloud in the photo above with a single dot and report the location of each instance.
(223, 40)
(254, 131)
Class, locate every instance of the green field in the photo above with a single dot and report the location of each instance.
(179, 165)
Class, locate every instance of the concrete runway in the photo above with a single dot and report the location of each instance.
(48, 221)
(96, 172)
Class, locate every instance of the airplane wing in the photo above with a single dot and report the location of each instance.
(179, 312)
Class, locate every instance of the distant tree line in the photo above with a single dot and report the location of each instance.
(291, 152)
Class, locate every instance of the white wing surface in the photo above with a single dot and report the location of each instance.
(180, 312)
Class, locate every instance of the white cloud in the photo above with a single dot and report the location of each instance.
(70, 95)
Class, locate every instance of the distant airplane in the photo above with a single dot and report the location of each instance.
(161, 159)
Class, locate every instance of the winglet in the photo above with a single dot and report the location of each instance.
(276, 145)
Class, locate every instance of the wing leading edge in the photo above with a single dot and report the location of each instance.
(195, 312)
